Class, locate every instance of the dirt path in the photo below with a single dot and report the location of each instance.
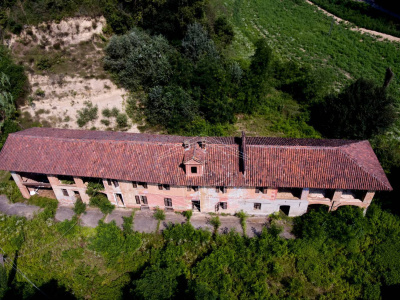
(378, 35)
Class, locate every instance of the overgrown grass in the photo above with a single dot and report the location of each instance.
(298, 31)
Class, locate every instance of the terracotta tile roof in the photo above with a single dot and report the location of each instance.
(270, 162)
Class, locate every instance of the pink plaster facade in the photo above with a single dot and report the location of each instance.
(254, 201)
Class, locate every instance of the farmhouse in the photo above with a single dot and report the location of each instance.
(259, 175)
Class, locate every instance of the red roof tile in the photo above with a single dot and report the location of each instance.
(270, 162)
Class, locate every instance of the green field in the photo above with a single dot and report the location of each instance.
(298, 31)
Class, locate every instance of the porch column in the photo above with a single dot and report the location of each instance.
(336, 200)
(18, 180)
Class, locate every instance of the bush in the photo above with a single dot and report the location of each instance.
(122, 121)
(114, 112)
(49, 205)
(106, 112)
(94, 186)
(87, 114)
(79, 207)
(215, 222)
(159, 214)
(243, 217)
(188, 214)
(101, 201)
(11, 190)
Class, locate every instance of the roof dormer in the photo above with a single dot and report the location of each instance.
(194, 158)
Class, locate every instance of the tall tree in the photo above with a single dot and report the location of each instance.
(361, 111)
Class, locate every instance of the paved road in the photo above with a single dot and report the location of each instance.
(143, 220)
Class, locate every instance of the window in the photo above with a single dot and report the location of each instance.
(260, 190)
(143, 184)
(193, 170)
(195, 188)
(134, 184)
(223, 205)
(109, 181)
(76, 193)
(168, 202)
(220, 188)
(115, 182)
(257, 205)
(189, 188)
(65, 192)
(137, 198)
(164, 187)
(144, 199)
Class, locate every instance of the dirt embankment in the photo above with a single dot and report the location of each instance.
(64, 61)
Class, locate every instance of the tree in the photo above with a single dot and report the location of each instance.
(197, 44)
(139, 60)
(7, 107)
(361, 111)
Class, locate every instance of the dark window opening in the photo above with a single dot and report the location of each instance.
(260, 190)
(257, 205)
(168, 202)
(189, 188)
(143, 184)
(109, 181)
(77, 194)
(65, 192)
(164, 187)
(193, 170)
(134, 184)
(116, 183)
(223, 205)
(144, 200)
(285, 209)
(119, 199)
(220, 189)
(289, 192)
(196, 205)
(137, 198)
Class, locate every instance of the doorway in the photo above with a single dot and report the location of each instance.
(196, 205)
(119, 200)
(285, 209)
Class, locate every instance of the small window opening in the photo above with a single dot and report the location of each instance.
(260, 190)
(144, 200)
(134, 184)
(115, 182)
(223, 205)
(168, 202)
(257, 205)
(65, 192)
(119, 200)
(143, 184)
(160, 187)
(137, 198)
(221, 189)
(193, 170)
(109, 181)
(66, 179)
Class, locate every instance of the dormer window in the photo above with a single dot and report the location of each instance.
(193, 170)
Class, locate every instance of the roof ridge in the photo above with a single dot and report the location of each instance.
(360, 165)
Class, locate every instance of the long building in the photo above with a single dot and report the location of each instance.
(259, 175)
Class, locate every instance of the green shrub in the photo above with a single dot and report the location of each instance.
(44, 64)
(122, 121)
(114, 112)
(49, 205)
(101, 201)
(106, 112)
(94, 186)
(188, 214)
(79, 207)
(11, 190)
(127, 224)
(215, 222)
(159, 214)
(39, 92)
(87, 114)
(243, 217)
(105, 122)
